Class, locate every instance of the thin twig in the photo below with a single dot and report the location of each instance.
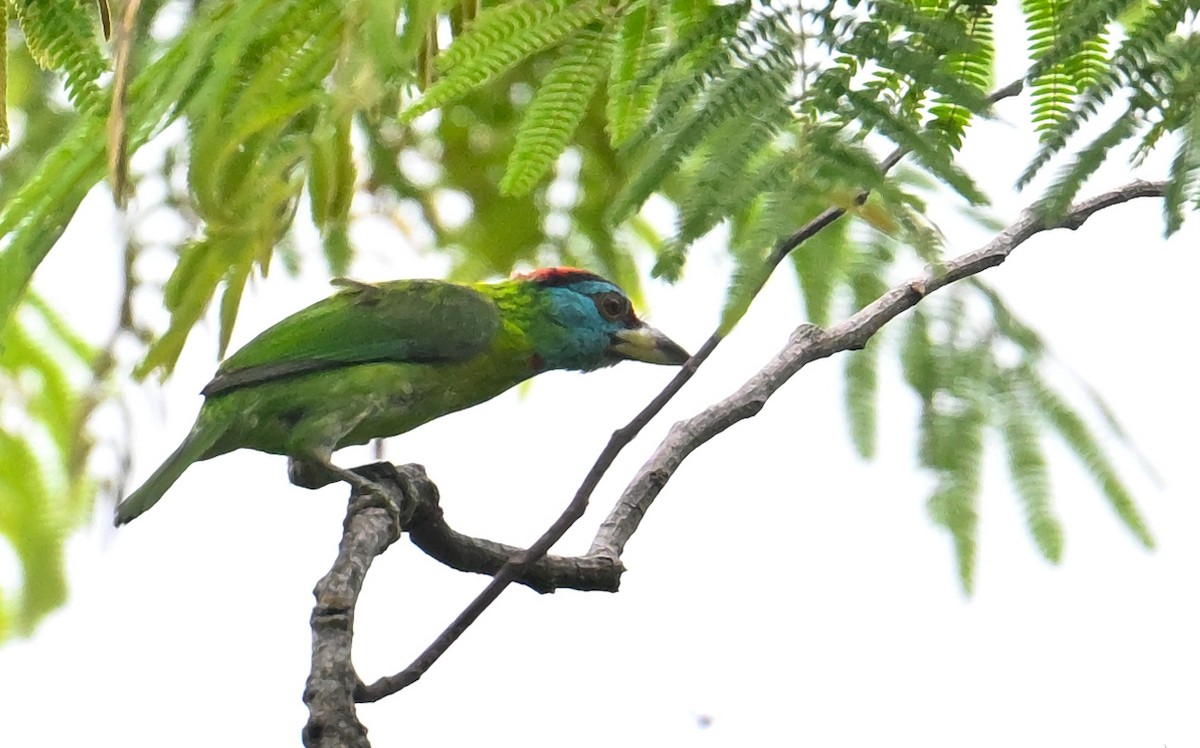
(118, 116)
(809, 343)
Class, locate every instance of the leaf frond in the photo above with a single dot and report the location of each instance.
(1067, 423)
(502, 37)
(557, 108)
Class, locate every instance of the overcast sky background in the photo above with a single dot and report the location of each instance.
(780, 591)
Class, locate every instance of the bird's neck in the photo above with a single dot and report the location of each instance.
(537, 325)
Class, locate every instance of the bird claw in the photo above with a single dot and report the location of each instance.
(373, 486)
(368, 494)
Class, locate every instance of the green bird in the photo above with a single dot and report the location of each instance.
(376, 360)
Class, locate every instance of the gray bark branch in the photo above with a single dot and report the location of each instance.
(810, 343)
(521, 563)
(329, 693)
(334, 686)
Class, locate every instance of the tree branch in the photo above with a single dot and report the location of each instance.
(517, 566)
(430, 533)
(334, 686)
(329, 692)
(810, 343)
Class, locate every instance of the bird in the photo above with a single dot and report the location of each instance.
(379, 359)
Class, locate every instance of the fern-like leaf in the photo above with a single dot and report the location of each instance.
(1086, 162)
(822, 265)
(1076, 434)
(705, 62)
(1028, 470)
(231, 300)
(30, 527)
(43, 489)
(1053, 88)
(1182, 182)
(917, 359)
(497, 25)
(502, 37)
(761, 84)
(697, 39)
(630, 95)
(750, 271)
(557, 109)
(954, 502)
(862, 386)
(331, 173)
(738, 154)
(1127, 70)
(939, 162)
(867, 284)
(60, 35)
(970, 67)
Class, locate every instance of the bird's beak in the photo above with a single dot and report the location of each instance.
(644, 343)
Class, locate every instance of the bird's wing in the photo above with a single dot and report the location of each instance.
(405, 321)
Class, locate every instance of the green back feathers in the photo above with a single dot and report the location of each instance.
(546, 320)
(415, 321)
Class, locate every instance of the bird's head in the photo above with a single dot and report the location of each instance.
(587, 322)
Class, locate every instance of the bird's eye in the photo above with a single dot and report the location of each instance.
(612, 306)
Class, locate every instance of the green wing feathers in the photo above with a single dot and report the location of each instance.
(202, 437)
(409, 321)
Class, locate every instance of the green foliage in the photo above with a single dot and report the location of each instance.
(957, 438)
(629, 97)
(1029, 472)
(61, 35)
(968, 386)
(867, 284)
(44, 490)
(744, 80)
(862, 384)
(1068, 44)
(1151, 81)
(557, 109)
(821, 267)
(501, 38)
(748, 118)
(1075, 433)
(331, 182)
(252, 127)
(969, 66)
(36, 213)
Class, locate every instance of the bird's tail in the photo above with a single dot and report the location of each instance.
(199, 441)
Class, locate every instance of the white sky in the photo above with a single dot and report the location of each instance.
(781, 587)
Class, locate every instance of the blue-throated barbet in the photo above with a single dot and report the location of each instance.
(378, 359)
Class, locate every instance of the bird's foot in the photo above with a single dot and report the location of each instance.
(371, 495)
(380, 485)
(377, 485)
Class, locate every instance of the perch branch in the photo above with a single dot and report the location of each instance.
(332, 720)
(517, 565)
(333, 684)
(431, 534)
